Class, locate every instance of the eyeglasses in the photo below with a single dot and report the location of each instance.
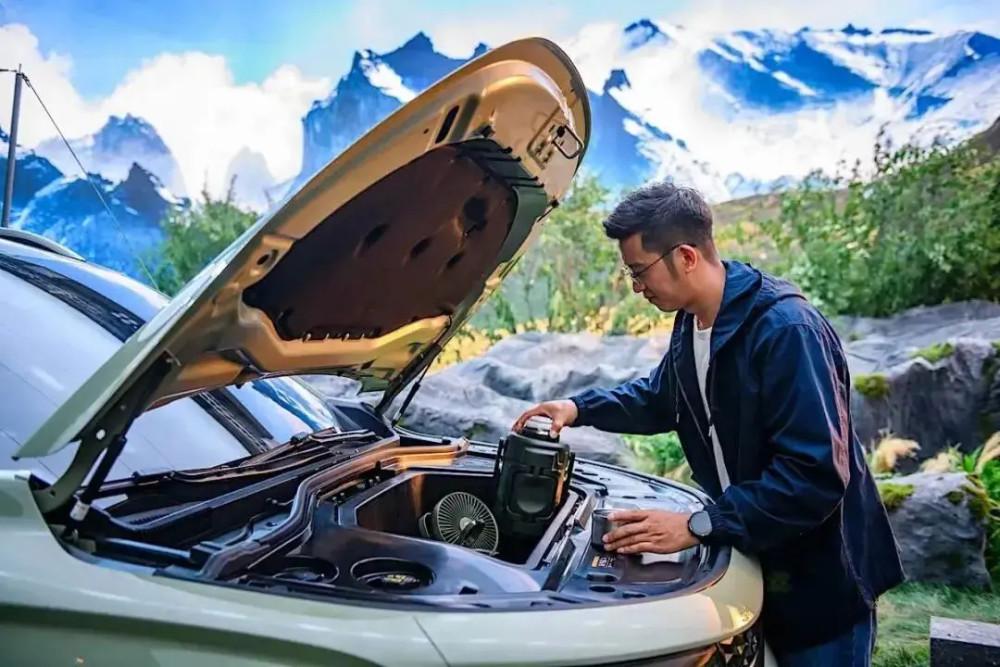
(634, 275)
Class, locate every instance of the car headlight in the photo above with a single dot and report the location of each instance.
(741, 650)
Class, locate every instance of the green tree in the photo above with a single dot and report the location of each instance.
(195, 236)
(923, 230)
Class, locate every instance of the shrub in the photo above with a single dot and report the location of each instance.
(887, 453)
(658, 454)
(196, 236)
(924, 230)
(570, 279)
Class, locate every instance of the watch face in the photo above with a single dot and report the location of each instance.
(701, 524)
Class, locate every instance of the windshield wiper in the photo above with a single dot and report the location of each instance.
(203, 482)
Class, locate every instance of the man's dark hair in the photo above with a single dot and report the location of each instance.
(664, 214)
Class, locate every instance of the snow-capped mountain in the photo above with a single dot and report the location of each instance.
(33, 173)
(766, 107)
(112, 150)
(69, 211)
(731, 114)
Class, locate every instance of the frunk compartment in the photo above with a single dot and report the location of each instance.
(396, 506)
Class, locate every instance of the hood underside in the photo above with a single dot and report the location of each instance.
(370, 267)
(392, 256)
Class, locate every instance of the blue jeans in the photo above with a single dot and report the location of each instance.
(854, 648)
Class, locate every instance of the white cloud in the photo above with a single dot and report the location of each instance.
(460, 33)
(50, 74)
(206, 119)
(192, 100)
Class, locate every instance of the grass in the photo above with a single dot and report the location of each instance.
(904, 619)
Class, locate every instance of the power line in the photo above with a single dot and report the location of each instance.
(121, 230)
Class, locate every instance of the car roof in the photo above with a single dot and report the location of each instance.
(136, 297)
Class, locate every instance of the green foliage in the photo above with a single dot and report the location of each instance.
(658, 454)
(893, 494)
(935, 353)
(195, 236)
(924, 230)
(873, 386)
(984, 502)
(904, 615)
(570, 278)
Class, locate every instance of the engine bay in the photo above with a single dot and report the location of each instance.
(394, 518)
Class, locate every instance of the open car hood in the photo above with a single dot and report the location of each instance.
(370, 267)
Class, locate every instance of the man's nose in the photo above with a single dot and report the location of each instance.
(637, 287)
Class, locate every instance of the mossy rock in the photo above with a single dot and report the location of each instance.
(873, 386)
(934, 353)
(894, 494)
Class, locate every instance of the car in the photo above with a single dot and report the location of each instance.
(357, 542)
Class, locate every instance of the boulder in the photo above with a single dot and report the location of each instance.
(939, 528)
(482, 397)
(928, 374)
(536, 366)
(937, 403)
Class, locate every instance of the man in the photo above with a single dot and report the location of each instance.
(756, 385)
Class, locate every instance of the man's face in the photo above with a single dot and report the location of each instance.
(668, 290)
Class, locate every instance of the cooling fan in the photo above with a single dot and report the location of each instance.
(463, 519)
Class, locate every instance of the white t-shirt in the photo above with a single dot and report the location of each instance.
(702, 348)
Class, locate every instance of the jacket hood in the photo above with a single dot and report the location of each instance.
(748, 292)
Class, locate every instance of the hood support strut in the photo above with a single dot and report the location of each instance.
(107, 436)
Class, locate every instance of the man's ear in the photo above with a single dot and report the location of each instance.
(688, 257)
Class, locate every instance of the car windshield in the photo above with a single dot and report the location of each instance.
(63, 318)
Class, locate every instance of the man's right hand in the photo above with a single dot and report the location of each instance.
(562, 413)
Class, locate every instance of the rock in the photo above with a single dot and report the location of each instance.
(961, 643)
(481, 398)
(449, 404)
(941, 535)
(952, 399)
(889, 340)
(538, 366)
(939, 404)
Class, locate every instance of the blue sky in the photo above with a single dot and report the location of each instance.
(107, 38)
(224, 80)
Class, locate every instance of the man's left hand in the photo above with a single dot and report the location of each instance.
(649, 531)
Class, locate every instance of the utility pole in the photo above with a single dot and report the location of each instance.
(8, 190)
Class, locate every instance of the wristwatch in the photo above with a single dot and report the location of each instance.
(700, 524)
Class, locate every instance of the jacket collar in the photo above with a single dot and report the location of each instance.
(738, 301)
(739, 298)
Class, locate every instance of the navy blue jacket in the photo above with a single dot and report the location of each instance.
(802, 499)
